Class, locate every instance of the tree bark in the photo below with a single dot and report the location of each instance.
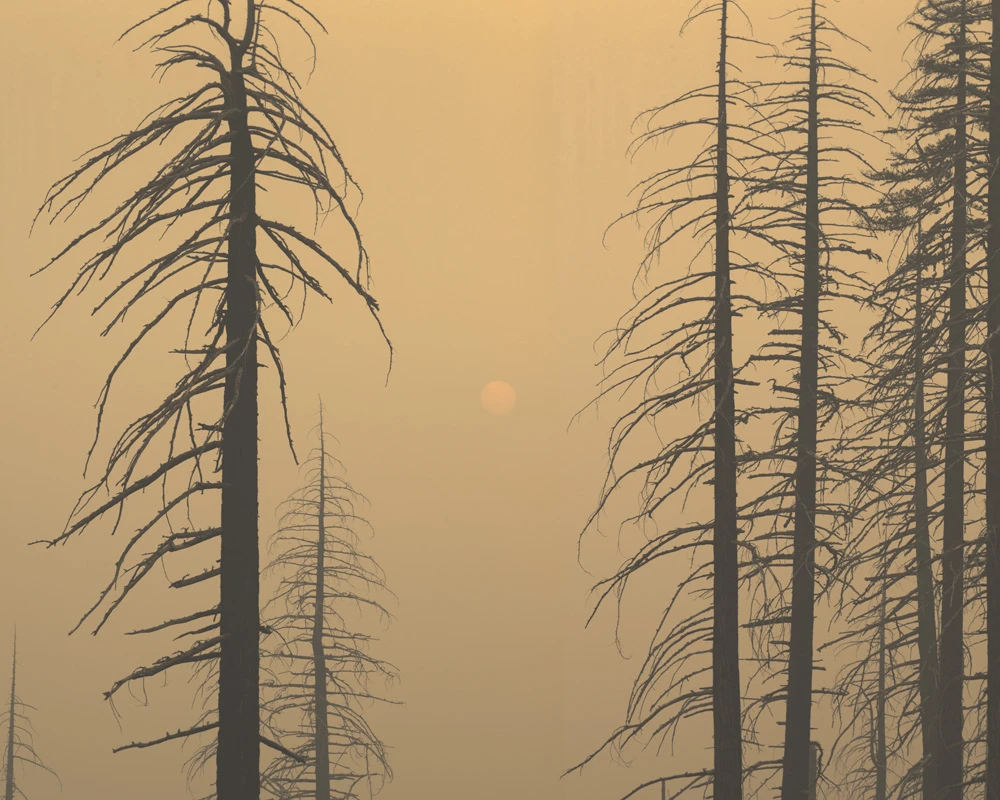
(322, 740)
(238, 760)
(814, 756)
(952, 578)
(726, 709)
(798, 714)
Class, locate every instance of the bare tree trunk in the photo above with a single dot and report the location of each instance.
(798, 714)
(9, 792)
(813, 769)
(238, 760)
(952, 589)
(993, 431)
(248, 97)
(926, 622)
(881, 761)
(319, 652)
(726, 710)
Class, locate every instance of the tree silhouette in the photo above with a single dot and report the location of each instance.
(807, 202)
(227, 262)
(924, 385)
(323, 667)
(683, 325)
(897, 450)
(20, 747)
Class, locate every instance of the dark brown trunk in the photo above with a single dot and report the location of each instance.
(726, 710)
(322, 740)
(238, 760)
(814, 756)
(798, 711)
(993, 435)
(926, 623)
(952, 568)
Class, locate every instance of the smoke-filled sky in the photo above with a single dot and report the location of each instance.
(490, 141)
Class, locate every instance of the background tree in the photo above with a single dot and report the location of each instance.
(20, 748)
(897, 446)
(227, 261)
(918, 461)
(324, 674)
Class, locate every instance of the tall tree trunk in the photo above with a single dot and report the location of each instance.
(881, 762)
(9, 791)
(726, 710)
(238, 760)
(952, 579)
(926, 622)
(814, 752)
(798, 714)
(322, 741)
(993, 432)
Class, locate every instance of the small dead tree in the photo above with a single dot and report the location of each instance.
(323, 672)
(206, 242)
(324, 747)
(20, 745)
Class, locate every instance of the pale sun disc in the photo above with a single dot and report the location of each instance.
(499, 398)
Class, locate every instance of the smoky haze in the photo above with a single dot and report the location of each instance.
(490, 141)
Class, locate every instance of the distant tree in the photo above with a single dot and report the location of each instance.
(228, 261)
(20, 746)
(896, 448)
(323, 671)
(898, 462)
(872, 703)
(327, 749)
(919, 456)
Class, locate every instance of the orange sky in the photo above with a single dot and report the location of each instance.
(490, 140)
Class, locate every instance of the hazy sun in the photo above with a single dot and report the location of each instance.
(498, 398)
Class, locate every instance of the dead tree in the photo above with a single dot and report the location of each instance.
(228, 261)
(324, 747)
(896, 452)
(324, 674)
(897, 449)
(941, 112)
(808, 199)
(20, 746)
(921, 453)
(674, 350)
(901, 461)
